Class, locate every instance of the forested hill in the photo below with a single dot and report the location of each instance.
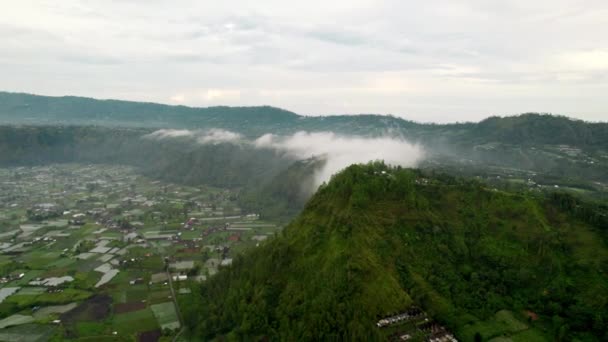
(378, 240)
(526, 129)
(534, 129)
(34, 109)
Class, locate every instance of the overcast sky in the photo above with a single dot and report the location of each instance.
(433, 60)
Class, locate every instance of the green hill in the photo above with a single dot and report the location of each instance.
(525, 129)
(377, 240)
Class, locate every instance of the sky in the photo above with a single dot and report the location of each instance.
(428, 61)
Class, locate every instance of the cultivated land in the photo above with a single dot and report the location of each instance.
(91, 252)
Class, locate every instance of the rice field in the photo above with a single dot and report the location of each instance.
(165, 315)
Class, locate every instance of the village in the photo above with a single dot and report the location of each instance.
(414, 325)
(102, 252)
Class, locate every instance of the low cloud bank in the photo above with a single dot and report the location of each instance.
(218, 136)
(212, 136)
(169, 133)
(338, 151)
(342, 151)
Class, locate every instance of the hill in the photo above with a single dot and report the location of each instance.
(377, 241)
(17, 108)
(526, 129)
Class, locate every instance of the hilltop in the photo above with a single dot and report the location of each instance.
(377, 241)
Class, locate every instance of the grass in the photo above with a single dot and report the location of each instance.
(121, 279)
(161, 296)
(119, 296)
(54, 309)
(87, 329)
(133, 322)
(165, 314)
(136, 293)
(67, 296)
(63, 262)
(29, 275)
(87, 280)
(15, 320)
(27, 332)
(530, 335)
(32, 291)
(191, 234)
(502, 324)
(40, 259)
(512, 323)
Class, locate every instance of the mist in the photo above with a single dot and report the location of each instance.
(340, 151)
(212, 136)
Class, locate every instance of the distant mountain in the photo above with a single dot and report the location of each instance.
(71, 110)
(526, 129)
(377, 241)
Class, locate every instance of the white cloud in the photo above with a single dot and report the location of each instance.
(338, 151)
(217, 136)
(586, 60)
(170, 133)
(426, 61)
(179, 98)
(342, 151)
(221, 95)
(203, 137)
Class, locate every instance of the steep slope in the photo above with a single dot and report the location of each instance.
(378, 240)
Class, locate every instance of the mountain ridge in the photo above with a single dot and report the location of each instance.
(378, 240)
(22, 96)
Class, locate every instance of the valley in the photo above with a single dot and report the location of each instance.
(254, 223)
(92, 251)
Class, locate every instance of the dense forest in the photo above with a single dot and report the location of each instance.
(377, 240)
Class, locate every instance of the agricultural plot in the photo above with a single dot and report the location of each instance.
(504, 325)
(54, 309)
(15, 320)
(134, 322)
(165, 315)
(27, 332)
(31, 291)
(89, 247)
(6, 292)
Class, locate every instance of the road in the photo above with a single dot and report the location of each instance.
(177, 310)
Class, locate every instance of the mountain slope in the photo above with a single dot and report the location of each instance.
(377, 240)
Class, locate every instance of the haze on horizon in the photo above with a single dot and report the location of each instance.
(439, 61)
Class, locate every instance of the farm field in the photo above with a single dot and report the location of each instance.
(90, 252)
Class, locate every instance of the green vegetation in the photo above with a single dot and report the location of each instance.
(377, 240)
(520, 255)
(165, 315)
(27, 332)
(51, 269)
(142, 320)
(18, 301)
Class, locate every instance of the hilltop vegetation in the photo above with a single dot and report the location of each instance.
(377, 240)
